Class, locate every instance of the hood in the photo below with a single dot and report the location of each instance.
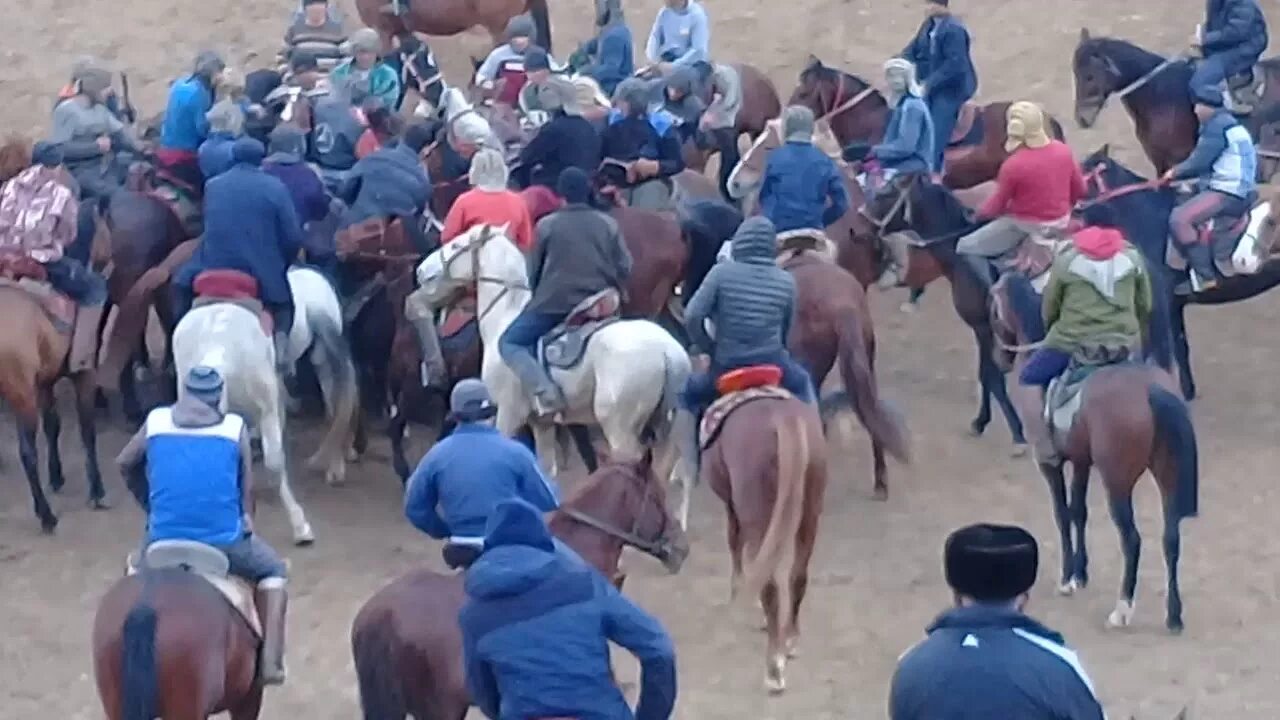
(1099, 243)
(755, 241)
(999, 617)
(682, 79)
(518, 552)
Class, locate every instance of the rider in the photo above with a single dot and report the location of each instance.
(338, 127)
(537, 70)
(940, 52)
(316, 34)
(646, 142)
(287, 146)
(38, 221)
(907, 147)
(985, 657)
(367, 68)
(79, 69)
(537, 626)
(226, 123)
(90, 135)
(249, 225)
(506, 62)
(185, 126)
(454, 490)
(489, 202)
(1035, 190)
(566, 140)
(709, 126)
(802, 187)
(681, 35)
(1225, 164)
(1233, 37)
(392, 184)
(190, 467)
(1098, 293)
(579, 252)
(607, 58)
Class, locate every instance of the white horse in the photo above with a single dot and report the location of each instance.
(626, 382)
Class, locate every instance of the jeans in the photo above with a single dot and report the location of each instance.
(944, 110)
(86, 227)
(520, 340)
(700, 389)
(75, 280)
(254, 560)
(1187, 217)
(1211, 73)
(1045, 364)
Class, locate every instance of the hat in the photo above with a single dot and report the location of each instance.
(1210, 96)
(1026, 127)
(94, 80)
(902, 67)
(248, 150)
(470, 401)
(47, 154)
(558, 93)
(84, 64)
(417, 136)
(797, 124)
(991, 563)
(520, 26)
(573, 185)
(203, 382)
(363, 40)
(287, 144)
(489, 170)
(535, 58)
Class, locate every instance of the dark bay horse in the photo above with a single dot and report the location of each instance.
(1130, 421)
(451, 17)
(1156, 95)
(768, 464)
(406, 642)
(858, 113)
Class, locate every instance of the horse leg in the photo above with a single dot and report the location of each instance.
(1080, 517)
(993, 379)
(805, 543)
(30, 457)
(1131, 544)
(87, 418)
(1172, 550)
(396, 425)
(776, 658)
(250, 706)
(1062, 516)
(544, 438)
(52, 430)
(735, 551)
(273, 457)
(1182, 349)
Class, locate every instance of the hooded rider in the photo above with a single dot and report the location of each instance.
(608, 57)
(907, 147)
(507, 62)
(646, 143)
(185, 123)
(90, 135)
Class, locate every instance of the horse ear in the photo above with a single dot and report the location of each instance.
(1105, 150)
(476, 62)
(813, 61)
(1084, 35)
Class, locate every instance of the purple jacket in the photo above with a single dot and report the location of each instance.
(305, 189)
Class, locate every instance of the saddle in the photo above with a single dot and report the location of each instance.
(565, 345)
(804, 241)
(1034, 256)
(1241, 244)
(20, 271)
(969, 126)
(737, 388)
(1063, 397)
(184, 200)
(210, 564)
(235, 287)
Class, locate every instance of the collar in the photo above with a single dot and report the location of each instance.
(999, 617)
(474, 428)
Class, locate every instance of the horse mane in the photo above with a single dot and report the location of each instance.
(820, 71)
(1133, 62)
(15, 156)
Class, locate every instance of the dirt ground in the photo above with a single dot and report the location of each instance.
(877, 575)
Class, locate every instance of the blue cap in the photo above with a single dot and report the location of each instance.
(204, 381)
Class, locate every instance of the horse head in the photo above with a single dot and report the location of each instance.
(749, 172)
(420, 65)
(815, 80)
(1104, 174)
(1096, 77)
(471, 259)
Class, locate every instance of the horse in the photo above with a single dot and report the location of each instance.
(1156, 94)
(405, 640)
(451, 17)
(1130, 420)
(858, 113)
(768, 463)
(1143, 211)
(625, 381)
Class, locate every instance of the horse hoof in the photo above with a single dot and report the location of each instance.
(56, 487)
(1068, 588)
(775, 684)
(793, 648)
(907, 308)
(305, 538)
(881, 494)
(99, 504)
(49, 525)
(976, 429)
(1121, 616)
(1175, 626)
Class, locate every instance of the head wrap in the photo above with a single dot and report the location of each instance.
(287, 144)
(225, 117)
(608, 12)
(489, 170)
(205, 384)
(82, 65)
(47, 154)
(470, 401)
(797, 124)
(635, 93)
(363, 40)
(573, 185)
(209, 63)
(94, 80)
(901, 77)
(247, 150)
(1026, 127)
(991, 563)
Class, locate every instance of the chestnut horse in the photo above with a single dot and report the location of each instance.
(768, 464)
(1130, 420)
(760, 104)
(451, 17)
(406, 642)
(858, 113)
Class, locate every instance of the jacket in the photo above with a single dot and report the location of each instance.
(324, 42)
(185, 126)
(981, 662)
(337, 132)
(460, 481)
(249, 225)
(1036, 185)
(750, 300)
(485, 207)
(1098, 297)
(384, 81)
(802, 188)
(536, 630)
(77, 125)
(611, 57)
(940, 51)
(389, 183)
(201, 506)
(651, 136)
(683, 36)
(908, 138)
(726, 102)
(1224, 158)
(215, 155)
(38, 215)
(579, 252)
(1234, 25)
(306, 189)
(564, 141)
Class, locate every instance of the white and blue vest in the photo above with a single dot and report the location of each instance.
(1236, 169)
(194, 478)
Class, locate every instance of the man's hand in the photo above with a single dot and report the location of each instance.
(708, 117)
(642, 169)
(104, 143)
(1167, 177)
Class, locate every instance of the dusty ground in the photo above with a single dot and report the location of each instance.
(877, 571)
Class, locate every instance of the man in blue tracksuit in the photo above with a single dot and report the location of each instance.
(984, 658)
(185, 125)
(1233, 37)
(802, 187)
(607, 58)
(454, 490)
(537, 626)
(940, 51)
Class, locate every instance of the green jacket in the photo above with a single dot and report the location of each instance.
(384, 83)
(1078, 313)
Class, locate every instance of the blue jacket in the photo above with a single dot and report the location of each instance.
(249, 225)
(612, 57)
(981, 662)
(460, 481)
(201, 506)
(185, 126)
(940, 51)
(306, 189)
(537, 626)
(1234, 26)
(908, 138)
(680, 36)
(390, 182)
(215, 155)
(799, 180)
(1224, 158)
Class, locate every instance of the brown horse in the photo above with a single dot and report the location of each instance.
(451, 17)
(1156, 94)
(858, 113)
(406, 642)
(768, 464)
(1130, 420)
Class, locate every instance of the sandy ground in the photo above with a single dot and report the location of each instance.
(877, 579)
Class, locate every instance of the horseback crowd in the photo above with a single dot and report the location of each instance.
(281, 167)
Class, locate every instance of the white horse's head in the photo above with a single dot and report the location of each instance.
(483, 253)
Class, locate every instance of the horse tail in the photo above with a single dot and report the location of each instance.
(376, 678)
(884, 424)
(541, 22)
(1175, 431)
(675, 371)
(138, 660)
(335, 355)
(778, 548)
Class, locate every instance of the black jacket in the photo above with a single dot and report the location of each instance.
(578, 253)
(565, 141)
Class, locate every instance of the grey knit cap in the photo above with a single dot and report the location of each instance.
(521, 26)
(797, 124)
(635, 93)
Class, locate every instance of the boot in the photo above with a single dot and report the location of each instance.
(1202, 275)
(83, 355)
(272, 599)
(434, 371)
(544, 394)
(283, 366)
(685, 430)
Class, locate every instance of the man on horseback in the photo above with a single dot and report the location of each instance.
(646, 144)
(1035, 191)
(38, 218)
(1232, 39)
(1224, 165)
(185, 125)
(461, 480)
(607, 58)
(83, 67)
(190, 467)
(366, 69)
(287, 147)
(566, 140)
(392, 184)
(317, 34)
(681, 35)
(579, 253)
(802, 188)
(507, 62)
(985, 657)
(338, 128)
(940, 52)
(249, 225)
(490, 202)
(226, 123)
(907, 147)
(710, 126)
(90, 135)
(537, 615)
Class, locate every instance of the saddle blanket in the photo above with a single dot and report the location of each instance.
(565, 345)
(713, 419)
(236, 591)
(60, 309)
(794, 243)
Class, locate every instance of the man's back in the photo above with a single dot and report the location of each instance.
(246, 227)
(1043, 183)
(578, 254)
(337, 130)
(184, 120)
(795, 186)
(201, 505)
(392, 184)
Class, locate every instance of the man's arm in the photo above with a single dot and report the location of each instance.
(488, 70)
(290, 228)
(1142, 300)
(538, 255)
(481, 682)
(1212, 141)
(638, 631)
(700, 306)
(670, 159)
(620, 254)
(421, 497)
(908, 139)
(837, 193)
(953, 49)
(1235, 30)
(203, 102)
(132, 462)
(1078, 189)
(1053, 292)
(64, 131)
(1006, 178)
(727, 100)
(653, 48)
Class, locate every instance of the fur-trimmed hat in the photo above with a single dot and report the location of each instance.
(991, 563)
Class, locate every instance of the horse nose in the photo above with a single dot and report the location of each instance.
(677, 550)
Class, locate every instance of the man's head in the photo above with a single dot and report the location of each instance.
(489, 170)
(470, 402)
(1208, 101)
(574, 185)
(516, 522)
(680, 83)
(1025, 127)
(520, 31)
(631, 97)
(900, 76)
(755, 241)
(797, 124)
(287, 144)
(608, 12)
(537, 64)
(364, 47)
(417, 137)
(46, 155)
(248, 151)
(209, 66)
(937, 7)
(992, 564)
(204, 383)
(315, 12)
(678, 4)
(559, 95)
(305, 68)
(225, 117)
(94, 83)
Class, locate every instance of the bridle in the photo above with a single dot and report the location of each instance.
(658, 548)
(839, 104)
(473, 252)
(1134, 86)
(1106, 194)
(411, 68)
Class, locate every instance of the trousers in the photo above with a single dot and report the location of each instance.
(74, 279)
(945, 111)
(1186, 219)
(700, 389)
(725, 141)
(1212, 72)
(1043, 366)
(254, 560)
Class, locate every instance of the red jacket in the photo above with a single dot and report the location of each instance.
(1036, 185)
(475, 207)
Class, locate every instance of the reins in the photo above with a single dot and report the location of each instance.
(838, 106)
(629, 537)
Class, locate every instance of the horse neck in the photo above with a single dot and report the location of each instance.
(504, 291)
(599, 549)
(1166, 87)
